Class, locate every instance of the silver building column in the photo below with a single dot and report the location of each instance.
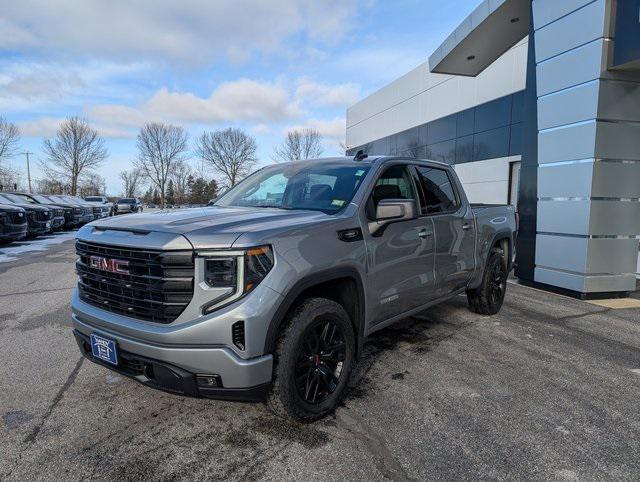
(588, 218)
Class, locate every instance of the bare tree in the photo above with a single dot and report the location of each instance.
(160, 147)
(180, 175)
(132, 180)
(9, 138)
(76, 149)
(230, 152)
(92, 184)
(10, 178)
(299, 145)
(49, 186)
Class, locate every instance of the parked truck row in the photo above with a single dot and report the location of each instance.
(24, 215)
(271, 292)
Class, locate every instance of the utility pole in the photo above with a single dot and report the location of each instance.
(26, 153)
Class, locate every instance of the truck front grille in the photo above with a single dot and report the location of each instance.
(153, 285)
(17, 218)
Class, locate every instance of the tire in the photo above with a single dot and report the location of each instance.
(487, 299)
(307, 386)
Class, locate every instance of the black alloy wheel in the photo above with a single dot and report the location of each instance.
(320, 362)
(487, 298)
(497, 283)
(313, 356)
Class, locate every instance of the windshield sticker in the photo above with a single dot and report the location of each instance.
(337, 202)
(359, 172)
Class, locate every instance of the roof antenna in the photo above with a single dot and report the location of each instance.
(360, 155)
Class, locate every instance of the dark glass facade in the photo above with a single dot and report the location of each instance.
(627, 39)
(486, 131)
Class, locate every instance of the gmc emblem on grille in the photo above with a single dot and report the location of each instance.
(118, 266)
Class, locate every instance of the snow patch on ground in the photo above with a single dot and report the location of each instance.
(14, 251)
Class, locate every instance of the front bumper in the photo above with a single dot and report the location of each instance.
(39, 227)
(13, 232)
(184, 358)
(171, 378)
(57, 222)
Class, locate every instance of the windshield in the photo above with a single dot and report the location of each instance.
(13, 198)
(93, 199)
(73, 200)
(319, 187)
(40, 198)
(126, 201)
(56, 199)
(24, 199)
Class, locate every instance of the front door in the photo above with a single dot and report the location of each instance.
(454, 227)
(400, 256)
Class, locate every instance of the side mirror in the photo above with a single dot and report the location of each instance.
(393, 211)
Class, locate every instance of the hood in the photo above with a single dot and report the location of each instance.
(31, 207)
(53, 207)
(212, 227)
(11, 208)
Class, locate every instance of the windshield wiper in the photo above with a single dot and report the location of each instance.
(270, 206)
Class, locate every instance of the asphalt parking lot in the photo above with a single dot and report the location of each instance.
(548, 389)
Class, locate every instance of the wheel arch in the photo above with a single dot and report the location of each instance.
(504, 241)
(342, 285)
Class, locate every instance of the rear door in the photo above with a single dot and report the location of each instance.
(454, 228)
(401, 257)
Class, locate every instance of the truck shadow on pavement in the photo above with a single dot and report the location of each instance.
(414, 336)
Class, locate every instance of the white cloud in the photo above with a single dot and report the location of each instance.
(29, 86)
(243, 100)
(239, 100)
(46, 127)
(333, 131)
(192, 33)
(339, 95)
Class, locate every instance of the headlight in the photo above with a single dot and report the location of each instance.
(221, 272)
(234, 274)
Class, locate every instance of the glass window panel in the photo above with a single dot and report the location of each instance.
(442, 151)
(496, 113)
(416, 153)
(441, 129)
(517, 107)
(464, 149)
(491, 144)
(515, 145)
(465, 122)
(411, 138)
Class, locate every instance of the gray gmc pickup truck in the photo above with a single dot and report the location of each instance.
(271, 292)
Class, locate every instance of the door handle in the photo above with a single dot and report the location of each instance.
(424, 233)
(466, 226)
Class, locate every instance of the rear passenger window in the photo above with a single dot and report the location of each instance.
(440, 197)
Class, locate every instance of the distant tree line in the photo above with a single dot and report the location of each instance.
(161, 169)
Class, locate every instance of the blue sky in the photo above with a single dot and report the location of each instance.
(264, 66)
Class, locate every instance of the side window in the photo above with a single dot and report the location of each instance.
(440, 197)
(394, 183)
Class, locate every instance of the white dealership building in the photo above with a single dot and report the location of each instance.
(535, 103)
